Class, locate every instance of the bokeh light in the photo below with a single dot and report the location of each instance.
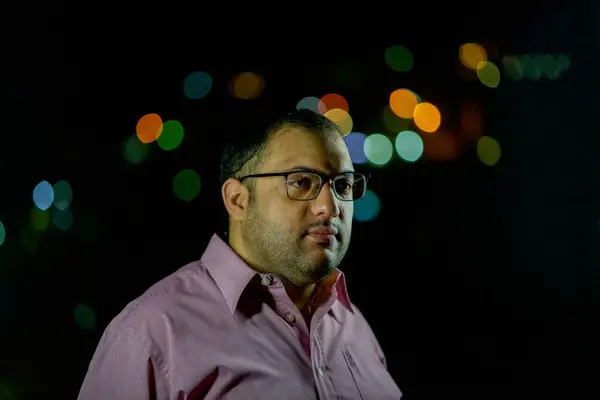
(471, 54)
(392, 122)
(2, 233)
(409, 146)
(355, 141)
(331, 101)
(186, 185)
(63, 195)
(172, 135)
(197, 85)
(443, 146)
(43, 195)
(85, 317)
(488, 150)
(247, 86)
(149, 128)
(341, 118)
(367, 208)
(427, 117)
(488, 74)
(135, 151)
(534, 66)
(313, 104)
(403, 103)
(8, 390)
(399, 58)
(62, 219)
(512, 67)
(378, 149)
(471, 121)
(29, 238)
(39, 220)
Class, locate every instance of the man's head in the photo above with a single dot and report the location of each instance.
(280, 223)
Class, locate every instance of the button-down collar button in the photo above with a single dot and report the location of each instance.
(289, 317)
(266, 281)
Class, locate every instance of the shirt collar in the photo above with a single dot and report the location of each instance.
(232, 274)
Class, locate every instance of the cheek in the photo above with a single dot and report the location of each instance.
(285, 212)
(347, 211)
(276, 206)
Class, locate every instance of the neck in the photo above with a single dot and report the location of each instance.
(300, 295)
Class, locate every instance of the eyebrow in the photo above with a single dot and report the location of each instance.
(302, 168)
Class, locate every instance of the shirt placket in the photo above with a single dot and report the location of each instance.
(318, 360)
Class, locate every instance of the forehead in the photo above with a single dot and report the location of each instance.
(292, 147)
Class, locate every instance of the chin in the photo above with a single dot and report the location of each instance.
(322, 263)
(322, 272)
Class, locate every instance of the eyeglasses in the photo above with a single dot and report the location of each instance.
(305, 185)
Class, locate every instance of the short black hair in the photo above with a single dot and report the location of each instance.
(243, 152)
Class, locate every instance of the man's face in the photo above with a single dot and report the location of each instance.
(277, 228)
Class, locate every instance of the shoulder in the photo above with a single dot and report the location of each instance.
(168, 306)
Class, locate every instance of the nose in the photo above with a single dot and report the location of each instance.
(326, 206)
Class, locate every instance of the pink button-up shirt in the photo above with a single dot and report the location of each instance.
(218, 329)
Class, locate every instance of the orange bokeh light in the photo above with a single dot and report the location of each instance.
(427, 117)
(149, 128)
(247, 86)
(403, 103)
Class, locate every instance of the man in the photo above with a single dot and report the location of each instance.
(264, 314)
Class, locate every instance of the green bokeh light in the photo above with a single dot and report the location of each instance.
(399, 58)
(85, 317)
(186, 185)
(135, 151)
(2, 233)
(63, 195)
(378, 149)
(172, 135)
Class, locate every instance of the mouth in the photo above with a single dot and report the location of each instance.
(322, 238)
(325, 237)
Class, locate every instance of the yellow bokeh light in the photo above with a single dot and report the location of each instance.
(488, 74)
(471, 54)
(403, 103)
(342, 119)
(247, 86)
(427, 117)
(488, 150)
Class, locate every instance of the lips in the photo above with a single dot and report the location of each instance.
(323, 235)
(323, 231)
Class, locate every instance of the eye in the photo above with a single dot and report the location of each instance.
(301, 183)
(343, 185)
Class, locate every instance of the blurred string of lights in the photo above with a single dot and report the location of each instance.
(416, 124)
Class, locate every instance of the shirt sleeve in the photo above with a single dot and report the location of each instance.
(123, 367)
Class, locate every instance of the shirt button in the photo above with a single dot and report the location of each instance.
(289, 317)
(266, 281)
(320, 371)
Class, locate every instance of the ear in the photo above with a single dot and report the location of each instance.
(235, 198)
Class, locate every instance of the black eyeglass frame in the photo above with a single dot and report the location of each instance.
(325, 178)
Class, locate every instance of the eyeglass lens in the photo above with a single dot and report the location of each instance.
(306, 185)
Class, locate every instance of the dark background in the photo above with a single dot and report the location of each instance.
(480, 282)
